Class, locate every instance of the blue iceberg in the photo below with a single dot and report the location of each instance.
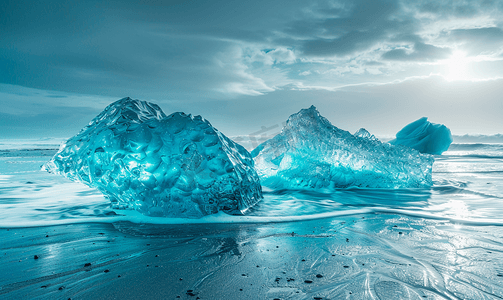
(171, 166)
(312, 153)
(424, 136)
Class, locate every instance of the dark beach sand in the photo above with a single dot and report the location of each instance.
(372, 256)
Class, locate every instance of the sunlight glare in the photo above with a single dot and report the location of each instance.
(457, 67)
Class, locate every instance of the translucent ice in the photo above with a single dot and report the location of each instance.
(174, 166)
(312, 153)
(424, 136)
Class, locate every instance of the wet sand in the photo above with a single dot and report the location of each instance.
(370, 256)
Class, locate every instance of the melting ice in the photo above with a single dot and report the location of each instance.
(312, 153)
(424, 136)
(174, 166)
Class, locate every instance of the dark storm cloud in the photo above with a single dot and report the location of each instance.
(421, 52)
(453, 8)
(361, 26)
(462, 9)
(353, 27)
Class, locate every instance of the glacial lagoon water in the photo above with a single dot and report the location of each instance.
(443, 242)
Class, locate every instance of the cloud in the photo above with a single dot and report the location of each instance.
(23, 101)
(374, 71)
(28, 113)
(347, 44)
(455, 8)
(186, 51)
(245, 77)
(61, 122)
(270, 57)
(357, 26)
(420, 52)
(346, 69)
(477, 41)
(464, 9)
(383, 109)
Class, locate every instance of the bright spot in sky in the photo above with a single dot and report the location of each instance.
(457, 67)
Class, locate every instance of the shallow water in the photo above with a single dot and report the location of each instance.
(445, 242)
(468, 188)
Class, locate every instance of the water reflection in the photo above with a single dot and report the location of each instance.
(302, 202)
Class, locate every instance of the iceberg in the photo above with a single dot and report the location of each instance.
(424, 136)
(312, 153)
(169, 166)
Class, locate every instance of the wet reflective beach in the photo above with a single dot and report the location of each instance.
(438, 243)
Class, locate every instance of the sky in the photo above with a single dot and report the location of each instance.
(246, 66)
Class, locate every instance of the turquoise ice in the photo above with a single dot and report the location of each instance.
(424, 136)
(171, 166)
(312, 153)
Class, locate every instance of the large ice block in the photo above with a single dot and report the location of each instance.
(312, 153)
(172, 166)
(424, 136)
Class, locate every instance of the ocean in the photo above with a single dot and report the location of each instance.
(443, 242)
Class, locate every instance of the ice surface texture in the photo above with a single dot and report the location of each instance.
(424, 136)
(312, 153)
(172, 166)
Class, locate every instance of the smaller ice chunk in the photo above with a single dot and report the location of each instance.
(363, 133)
(310, 153)
(163, 166)
(424, 136)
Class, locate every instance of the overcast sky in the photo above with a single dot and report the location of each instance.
(247, 64)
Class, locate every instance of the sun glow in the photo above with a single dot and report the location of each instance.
(456, 67)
